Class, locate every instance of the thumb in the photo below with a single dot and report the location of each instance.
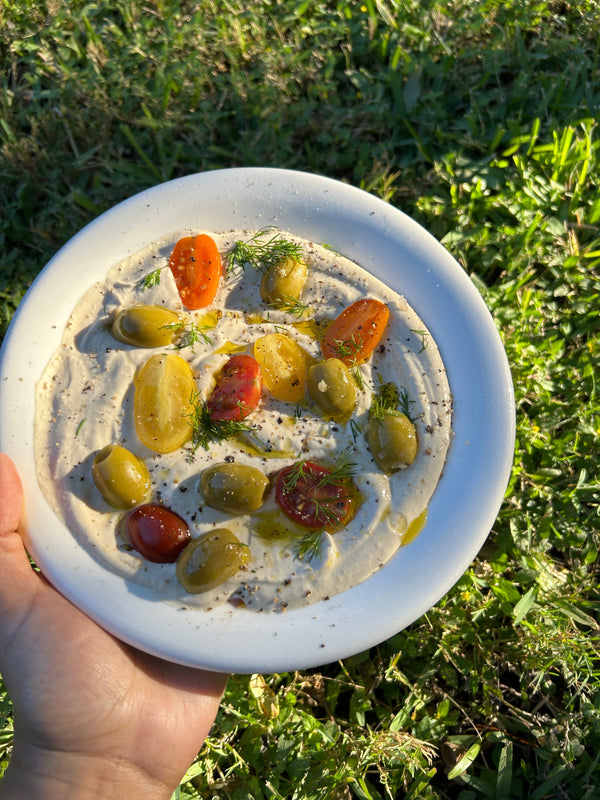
(11, 496)
(17, 579)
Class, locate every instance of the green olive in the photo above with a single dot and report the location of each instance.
(283, 281)
(392, 440)
(332, 387)
(145, 326)
(122, 478)
(234, 488)
(210, 560)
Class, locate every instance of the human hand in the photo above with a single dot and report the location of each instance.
(93, 716)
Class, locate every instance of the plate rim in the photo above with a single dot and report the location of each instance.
(341, 626)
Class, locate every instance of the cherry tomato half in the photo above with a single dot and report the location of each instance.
(196, 266)
(283, 364)
(238, 389)
(356, 332)
(162, 402)
(157, 533)
(307, 496)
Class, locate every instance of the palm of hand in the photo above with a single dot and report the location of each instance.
(77, 690)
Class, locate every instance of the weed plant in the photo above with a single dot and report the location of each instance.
(478, 119)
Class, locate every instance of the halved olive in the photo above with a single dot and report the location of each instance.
(121, 477)
(234, 488)
(210, 560)
(145, 326)
(392, 440)
(332, 387)
(283, 281)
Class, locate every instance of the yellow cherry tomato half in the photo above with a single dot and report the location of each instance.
(284, 365)
(164, 388)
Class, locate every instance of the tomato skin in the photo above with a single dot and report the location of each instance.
(163, 388)
(308, 504)
(356, 332)
(196, 266)
(157, 533)
(284, 365)
(238, 389)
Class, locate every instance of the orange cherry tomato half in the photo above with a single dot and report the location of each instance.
(157, 533)
(196, 266)
(309, 498)
(238, 389)
(357, 331)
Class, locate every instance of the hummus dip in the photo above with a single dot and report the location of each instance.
(84, 401)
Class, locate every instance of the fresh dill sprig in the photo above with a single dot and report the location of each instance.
(151, 280)
(424, 338)
(341, 473)
(309, 545)
(260, 252)
(190, 334)
(343, 469)
(355, 429)
(405, 403)
(348, 348)
(294, 475)
(358, 377)
(385, 402)
(324, 509)
(206, 430)
(390, 400)
(290, 305)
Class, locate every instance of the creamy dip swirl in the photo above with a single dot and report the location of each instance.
(84, 402)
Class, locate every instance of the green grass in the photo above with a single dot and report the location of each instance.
(477, 119)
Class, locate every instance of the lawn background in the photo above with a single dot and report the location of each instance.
(478, 119)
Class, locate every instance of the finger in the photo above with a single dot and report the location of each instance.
(181, 678)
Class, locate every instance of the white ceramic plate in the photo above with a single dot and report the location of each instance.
(464, 506)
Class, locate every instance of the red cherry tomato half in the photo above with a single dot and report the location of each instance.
(357, 331)
(307, 496)
(238, 389)
(157, 533)
(196, 266)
